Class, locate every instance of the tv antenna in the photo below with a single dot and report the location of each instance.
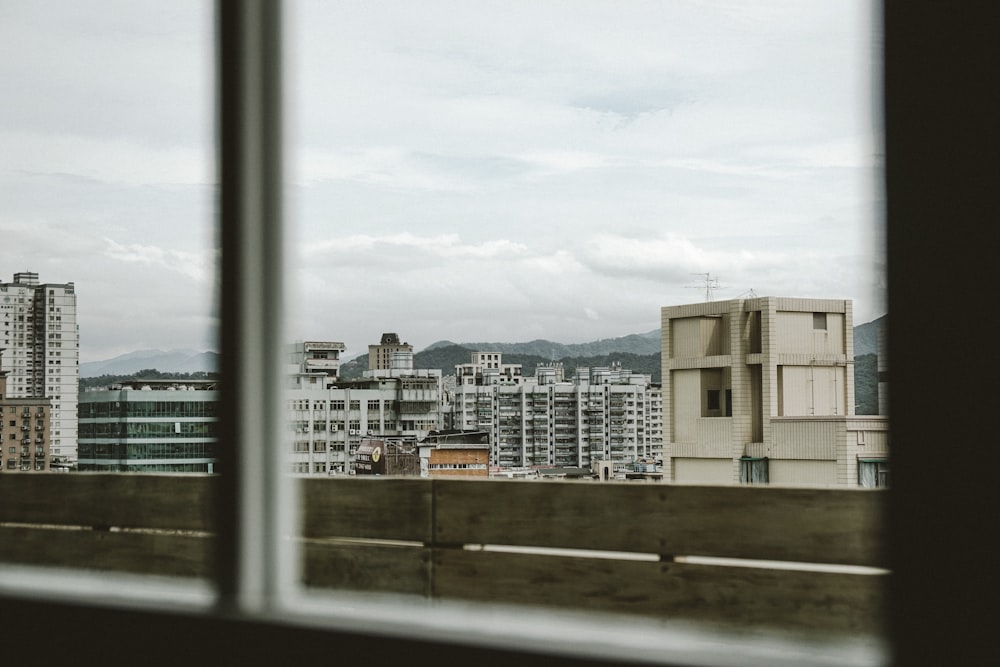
(709, 285)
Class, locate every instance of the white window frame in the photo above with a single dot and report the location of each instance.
(258, 569)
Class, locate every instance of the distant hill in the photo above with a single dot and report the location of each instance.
(866, 384)
(446, 358)
(636, 352)
(647, 343)
(866, 336)
(171, 361)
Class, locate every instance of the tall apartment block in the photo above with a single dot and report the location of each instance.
(42, 343)
(762, 390)
(545, 420)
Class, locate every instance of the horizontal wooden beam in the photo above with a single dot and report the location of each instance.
(182, 555)
(178, 502)
(841, 526)
(739, 596)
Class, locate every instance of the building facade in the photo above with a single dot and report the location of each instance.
(380, 356)
(150, 426)
(42, 343)
(455, 454)
(24, 428)
(318, 362)
(762, 390)
(328, 423)
(545, 420)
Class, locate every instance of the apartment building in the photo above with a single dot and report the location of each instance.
(381, 356)
(318, 362)
(24, 429)
(545, 420)
(762, 390)
(487, 368)
(150, 426)
(328, 422)
(42, 343)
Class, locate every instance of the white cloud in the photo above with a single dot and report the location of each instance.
(194, 266)
(467, 171)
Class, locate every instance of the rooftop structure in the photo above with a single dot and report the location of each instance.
(315, 362)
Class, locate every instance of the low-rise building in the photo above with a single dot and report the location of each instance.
(455, 454)
(25, 427)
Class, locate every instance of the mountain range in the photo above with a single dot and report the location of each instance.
(631, 349)
(171, 361)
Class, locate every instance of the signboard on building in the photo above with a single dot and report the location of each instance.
(379, 456)
(370, 460)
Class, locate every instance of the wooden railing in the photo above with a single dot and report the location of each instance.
(652, 550)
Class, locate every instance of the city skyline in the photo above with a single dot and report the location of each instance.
(498, 173)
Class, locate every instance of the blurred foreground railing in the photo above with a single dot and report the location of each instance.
(654, 550)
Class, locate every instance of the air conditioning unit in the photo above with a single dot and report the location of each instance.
(353, 431)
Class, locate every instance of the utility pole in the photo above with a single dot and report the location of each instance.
(709, 285)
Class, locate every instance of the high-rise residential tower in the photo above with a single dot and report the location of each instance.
(39, 334)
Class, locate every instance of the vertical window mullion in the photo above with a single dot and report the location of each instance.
(253, 564)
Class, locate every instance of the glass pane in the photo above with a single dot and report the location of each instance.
(107, 182)
(495, 174)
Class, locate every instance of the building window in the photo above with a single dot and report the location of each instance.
(819, 321)
(753, 470)
(873, 473)
(713, 399)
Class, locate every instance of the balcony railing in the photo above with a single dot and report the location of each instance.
(769, 558)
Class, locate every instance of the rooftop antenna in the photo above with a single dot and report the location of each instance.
(709, 285)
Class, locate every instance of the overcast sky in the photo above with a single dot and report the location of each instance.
(470, 171)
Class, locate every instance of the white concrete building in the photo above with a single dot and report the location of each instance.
(328, 420)
(762, 390)
(543, 421)
(316, 362)
(42, 358)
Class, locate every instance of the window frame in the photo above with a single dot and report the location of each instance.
(940, 117)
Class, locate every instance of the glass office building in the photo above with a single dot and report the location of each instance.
(149, 426)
